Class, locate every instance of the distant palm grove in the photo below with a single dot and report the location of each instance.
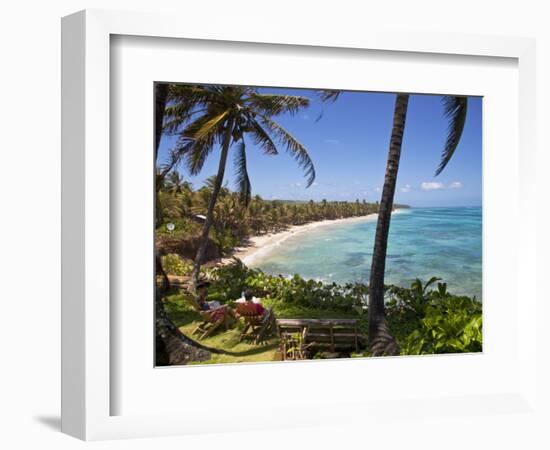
(233, 222)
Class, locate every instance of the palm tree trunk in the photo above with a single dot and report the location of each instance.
(199, 258)
(159, 272)
(161, 96)
(381, 342)
(171, 345)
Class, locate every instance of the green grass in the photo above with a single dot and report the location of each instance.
(187, 319)
(238, 352)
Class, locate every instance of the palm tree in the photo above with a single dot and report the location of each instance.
(175, 182)
(206, 117)
(171, 345)
(381, 342)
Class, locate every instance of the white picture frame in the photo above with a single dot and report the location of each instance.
(88, 387)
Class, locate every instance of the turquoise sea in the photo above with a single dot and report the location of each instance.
(423, 242)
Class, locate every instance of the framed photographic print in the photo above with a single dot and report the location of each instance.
(263, 265)
(292, 216)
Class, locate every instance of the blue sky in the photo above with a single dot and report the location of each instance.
(349, 146)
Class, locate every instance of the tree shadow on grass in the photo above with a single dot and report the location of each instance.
(183, 318)
(252, 351)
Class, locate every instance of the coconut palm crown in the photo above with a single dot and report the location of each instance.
(207, 117)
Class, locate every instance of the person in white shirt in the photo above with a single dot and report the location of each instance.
(244, 295)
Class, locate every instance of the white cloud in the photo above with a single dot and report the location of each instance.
(432, 186)
(435, 185)
(332, 141)
(455, 185)
(378, 189)
(406, 188)
(294, 185)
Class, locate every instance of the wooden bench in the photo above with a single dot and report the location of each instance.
(332, 334)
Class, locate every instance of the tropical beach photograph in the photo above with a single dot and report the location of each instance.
(300, 224)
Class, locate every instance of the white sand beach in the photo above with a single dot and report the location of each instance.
(260, 246)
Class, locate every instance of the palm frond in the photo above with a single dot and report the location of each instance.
(175, 156)
(188, 94)
(262, 138)
(198, 152)
(241, 174)
(455, 109)
(177, 115)
(329, 95)
(272, 104)
(183, 102)
(294, 147)
(200, 129)
(200, 137)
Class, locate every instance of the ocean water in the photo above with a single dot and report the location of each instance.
(423, 242)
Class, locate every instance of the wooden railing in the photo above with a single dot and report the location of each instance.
(298, 336)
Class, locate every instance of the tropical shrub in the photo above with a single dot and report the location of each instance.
(424, 319)
(183, 228)
(174, 264)
(225, 239)
(230, 280)
(416, 298)
(449, 325)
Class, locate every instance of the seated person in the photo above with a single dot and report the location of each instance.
(219, 311)
(250, 299)
(243, 299)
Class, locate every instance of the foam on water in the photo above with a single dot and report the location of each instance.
(423, 242)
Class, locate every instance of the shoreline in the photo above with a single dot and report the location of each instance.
(262, 245)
